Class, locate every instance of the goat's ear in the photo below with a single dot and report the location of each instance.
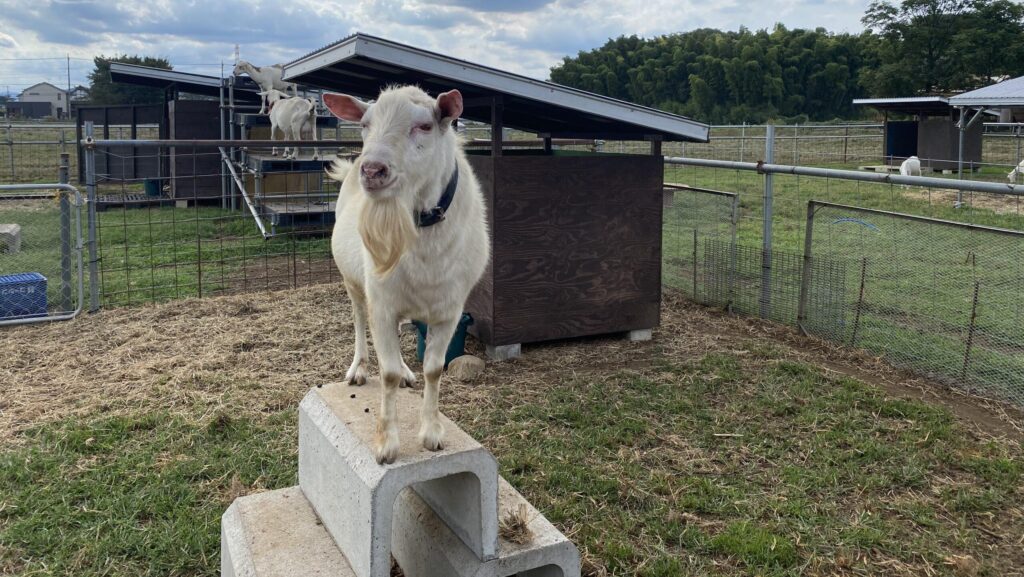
(449, 104)
(345, 107)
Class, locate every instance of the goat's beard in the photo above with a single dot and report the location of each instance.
(387, 230)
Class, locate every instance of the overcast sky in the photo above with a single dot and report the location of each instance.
(528, 36)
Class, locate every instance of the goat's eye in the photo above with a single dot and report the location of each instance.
(425, 127)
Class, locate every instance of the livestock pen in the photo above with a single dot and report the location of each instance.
(727, 444)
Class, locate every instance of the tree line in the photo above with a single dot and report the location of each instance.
(916, 47)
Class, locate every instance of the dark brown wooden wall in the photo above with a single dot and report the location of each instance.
(195, 172)
(122, 162)
(576, 247)
(938, 143)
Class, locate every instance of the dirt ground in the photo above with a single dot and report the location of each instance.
(276, 345)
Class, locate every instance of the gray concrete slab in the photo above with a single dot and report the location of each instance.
(354, 496)
(277, 534)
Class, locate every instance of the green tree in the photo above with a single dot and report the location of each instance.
(103, 91)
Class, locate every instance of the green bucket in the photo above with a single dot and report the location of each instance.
(152, 186)
(456, 347)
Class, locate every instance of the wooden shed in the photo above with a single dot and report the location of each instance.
(931, 132)
(195, 174)
(576, 235)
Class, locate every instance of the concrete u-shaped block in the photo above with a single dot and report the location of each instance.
(355, 496)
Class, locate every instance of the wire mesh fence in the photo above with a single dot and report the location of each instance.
(30, 151)
(691, 217)
(192, 233)
(940, 297)
(41, 275)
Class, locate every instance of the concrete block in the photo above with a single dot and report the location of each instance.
(277, 534)
(640, 335)
(355, 496)
(504, 352)
(10, 238)
(425, 547)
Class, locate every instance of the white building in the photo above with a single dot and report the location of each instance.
(46, 92)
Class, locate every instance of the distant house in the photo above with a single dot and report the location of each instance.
(48, 93)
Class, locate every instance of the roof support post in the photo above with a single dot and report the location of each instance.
(497, 124)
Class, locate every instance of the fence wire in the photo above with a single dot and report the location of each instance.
(190, 234)
(941, 298)
(40, 254)
(693, 216)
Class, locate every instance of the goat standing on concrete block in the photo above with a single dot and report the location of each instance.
(268, 77)
(410, 240)
(294, 118)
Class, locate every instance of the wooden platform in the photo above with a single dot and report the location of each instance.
(299, 212)
(265, 163)
(924, 169)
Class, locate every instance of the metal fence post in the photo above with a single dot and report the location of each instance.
(10, 148)
(805, 277)
(846, 144)
(64, 177)
(90, 202)
(766, 240)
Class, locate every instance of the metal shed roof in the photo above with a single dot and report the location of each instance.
(926, 105)
(1009, 93)
(361, 65)
(187, 82)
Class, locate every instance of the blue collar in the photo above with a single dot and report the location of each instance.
(435, 215)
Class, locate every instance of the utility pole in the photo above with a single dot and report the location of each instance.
(68, 95)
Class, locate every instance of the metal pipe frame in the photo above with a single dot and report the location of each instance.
(79, 247)
(241, 188)
(882, 178)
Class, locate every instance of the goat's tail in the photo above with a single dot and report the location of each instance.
(339, 169)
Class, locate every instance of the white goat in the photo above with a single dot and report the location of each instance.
(1019, 169)
(910, 167)
(268, 77)
(294, 117)
(410, 240)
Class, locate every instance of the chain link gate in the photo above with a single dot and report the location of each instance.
(41, 276)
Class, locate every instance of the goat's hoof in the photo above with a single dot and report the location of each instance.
(357, 374)
(408, 378)
(432, 436)
(386, 452)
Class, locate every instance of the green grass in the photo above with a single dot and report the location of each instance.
(134, 495)
(736, 464)
(635, 464)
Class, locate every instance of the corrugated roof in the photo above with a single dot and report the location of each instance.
(1002, 95)
(362, 64)
(245, 88)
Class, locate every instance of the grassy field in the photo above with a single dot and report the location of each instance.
(919, 279)
(724, 446)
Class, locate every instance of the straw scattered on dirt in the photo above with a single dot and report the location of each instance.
(263, 351)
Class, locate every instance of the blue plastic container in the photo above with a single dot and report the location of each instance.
(456, 347)
(22, 296)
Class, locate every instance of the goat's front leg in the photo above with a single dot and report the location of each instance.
(263, 103)
(357, 372)
(431, 429)
(389, 359)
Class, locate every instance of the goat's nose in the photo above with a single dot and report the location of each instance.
(375, 170)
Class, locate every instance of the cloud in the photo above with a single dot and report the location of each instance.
(526, 37)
